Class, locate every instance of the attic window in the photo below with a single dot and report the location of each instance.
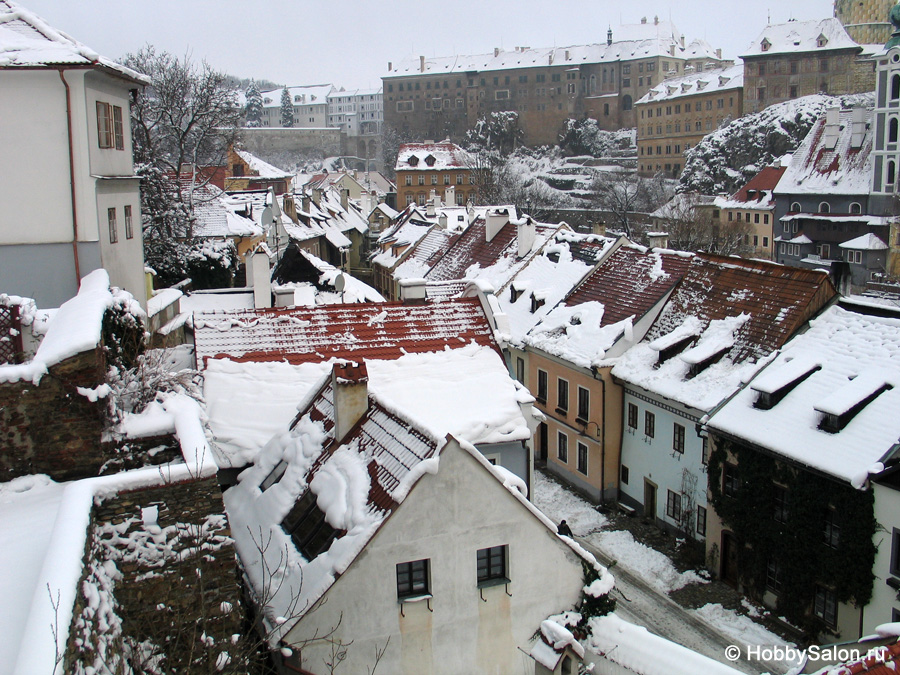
(413, 161)
(844, 404)
(553, 256)
(675, 349)
(765, 45)
(773, 387)
(698, 367)
(821, 41)
(430, 160)
(274, 476)
(514, 293)
(537, 302)
(306, 524)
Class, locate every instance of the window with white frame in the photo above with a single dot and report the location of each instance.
(678, 438)
(701, 520)
(412, 579)
(825, 605)
(632, 416)
(562, 395)
(673, 506)
(649, 424)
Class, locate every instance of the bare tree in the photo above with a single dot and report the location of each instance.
(692, 226)
(623, 195)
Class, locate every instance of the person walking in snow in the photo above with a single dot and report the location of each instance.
(564, 528)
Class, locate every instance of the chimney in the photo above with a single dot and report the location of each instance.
(390, 66)
(421, 64)
(412, 291)
(450, 195)
(719, 53)
(599, 229)
(525, 235)
(430, 205)
(259, 276)
(496, 52)
(858, 127)
(350, 382)
(567, 55)
(643, 20)
(832, 127)
(656, 20)
(494, 220)
(305, 202)
(658, 239)
(671, 50)
(345, 198)
(317, 196)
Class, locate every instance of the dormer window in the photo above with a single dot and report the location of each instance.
(305, 522)
(765, 45)
(795, 207)
(274, 476)
(773, 386)
(675, 349)
(430, 160)
(413, 161)
(514, 293)
(699, 366)
(841, 406)
(821, 41)
(537, 302)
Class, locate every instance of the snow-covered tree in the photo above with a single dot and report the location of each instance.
(287, 109)
(727, 158)
(496, 131)
(254, 108)
(693, 228)
(585, 137)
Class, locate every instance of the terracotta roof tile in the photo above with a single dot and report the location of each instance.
(630, 282)
(885, 664)
(765, 180)
(372, 331)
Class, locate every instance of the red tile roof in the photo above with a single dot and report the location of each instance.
(887, 663)
(765, 180)
(779, 299)
(627, 283)
(371, 331)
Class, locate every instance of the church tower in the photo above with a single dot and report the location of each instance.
(886, 149)
(865, 20)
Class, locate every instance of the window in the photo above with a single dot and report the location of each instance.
(409, 180)
(542, 385)
(118, 128)
(562, 395)
(831, 531)
(434, 179)
(678, 438)
(274, 476)
(501, 94)
(855, 208)
(422, 179)
(113, 229)
(306, 525)
(825, 605)
(824, 207)
(412, 579)
(782, 504)
(774, 576)
(582, 458)
(704, 452)
(730, 481)
(584, 403)
(625, 475)
(895, 552)
(492, 565)
(701, 521)
(562, 447)
(795, 208)
(129, 223)
(105, 125)
(649, 424)
(459, 179)
(632, 416)
(673, 506)
(404, 106)
(520, 369)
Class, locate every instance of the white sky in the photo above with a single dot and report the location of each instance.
(349, 43)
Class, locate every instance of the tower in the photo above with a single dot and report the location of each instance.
(865, 20)
(887, 121)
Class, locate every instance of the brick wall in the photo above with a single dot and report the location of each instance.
(50, 428)
(866, 21)
(180, 597)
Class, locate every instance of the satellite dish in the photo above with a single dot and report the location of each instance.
(339, 283)
(267, 219)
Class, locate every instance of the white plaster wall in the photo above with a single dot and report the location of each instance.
(124, 260)
(884, 598)
(34, 176)
(447, 518)
(107, 161)
(655, 459)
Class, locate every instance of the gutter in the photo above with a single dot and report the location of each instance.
(71, 177)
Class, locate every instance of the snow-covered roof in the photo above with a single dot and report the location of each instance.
(319, 277)
(425, 253)
(387, 210)
(836, 167)
(354, 93)
(707, 82)
(801, 36)
(443, 156)
(549, 276)
(840, 348)
(261, 169)
(605, 306)
(727, 316)
(345, 331)
(218, 215)
(631, 41)
(867, 242)
(315, 94)
(27, 41)
(356, 482)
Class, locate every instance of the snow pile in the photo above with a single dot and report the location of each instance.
(162, 299)
(576, 333)
(646, 563)
(76, 328)
(554, 640)
(640, 651)
(729, 157)
(741, 628)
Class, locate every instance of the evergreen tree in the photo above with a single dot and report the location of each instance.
(254, 107)
(287, 109)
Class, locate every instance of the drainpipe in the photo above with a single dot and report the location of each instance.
(595, 373)
(72, 177)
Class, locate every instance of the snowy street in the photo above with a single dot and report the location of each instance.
(643, 579)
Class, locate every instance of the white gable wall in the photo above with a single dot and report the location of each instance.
(446, 518)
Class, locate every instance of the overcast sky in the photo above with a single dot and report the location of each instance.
(349, 42)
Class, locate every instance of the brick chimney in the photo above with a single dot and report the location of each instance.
(494, 220)
(350, 382)
(658, 239)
